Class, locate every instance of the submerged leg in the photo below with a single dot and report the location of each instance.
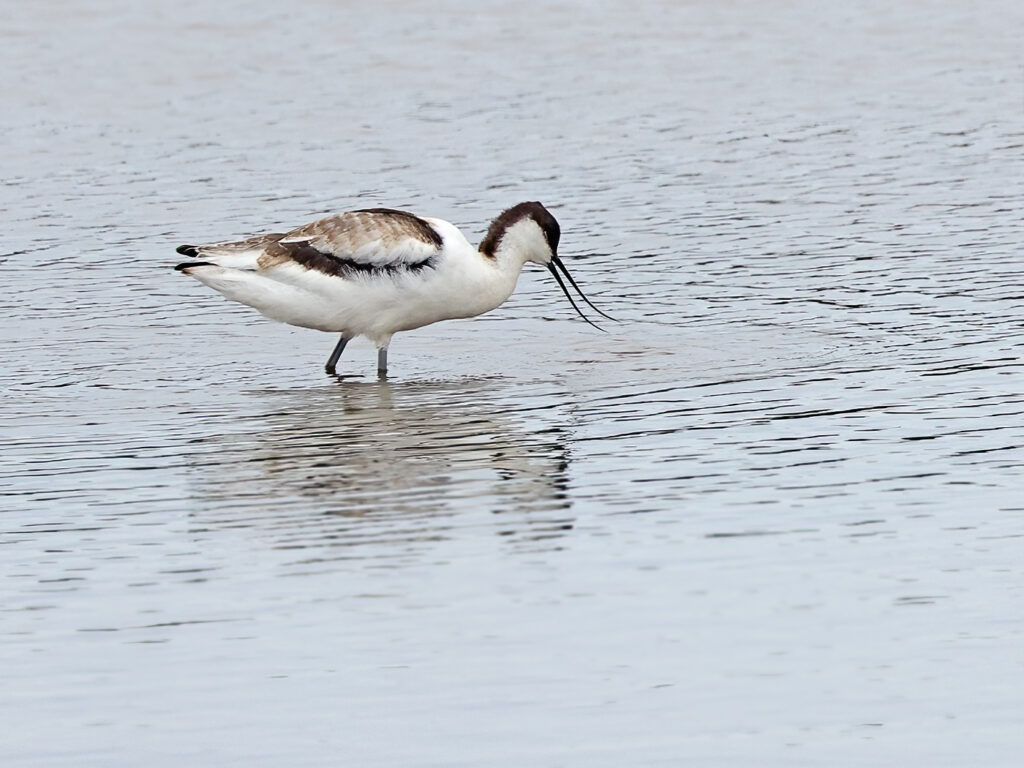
(333, 359)
(382, 362)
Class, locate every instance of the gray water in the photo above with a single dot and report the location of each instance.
(772, 517)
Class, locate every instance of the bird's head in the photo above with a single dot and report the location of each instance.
(528, 232)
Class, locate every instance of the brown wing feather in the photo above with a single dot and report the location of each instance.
(347, 233)
(364, 241)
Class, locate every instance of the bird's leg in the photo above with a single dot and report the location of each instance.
(333, 359)
(382, 362)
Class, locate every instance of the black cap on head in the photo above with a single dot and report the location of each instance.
(534, 210)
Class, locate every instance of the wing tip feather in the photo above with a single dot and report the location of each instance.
(186, 265)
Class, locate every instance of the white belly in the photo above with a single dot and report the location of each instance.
(371, 305)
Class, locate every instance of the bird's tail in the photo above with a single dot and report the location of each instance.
(243, 254)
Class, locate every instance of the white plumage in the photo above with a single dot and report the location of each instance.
(379, 271)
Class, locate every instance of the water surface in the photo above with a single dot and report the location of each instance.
(769, 518)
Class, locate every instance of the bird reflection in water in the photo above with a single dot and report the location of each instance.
(392, 465)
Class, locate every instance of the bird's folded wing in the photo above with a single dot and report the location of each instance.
(377, 240)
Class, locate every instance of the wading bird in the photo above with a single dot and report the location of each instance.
(378, 271)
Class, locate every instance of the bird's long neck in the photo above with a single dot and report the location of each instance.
(503, 252)
(506, 259)
(509, 248)
(488, 279)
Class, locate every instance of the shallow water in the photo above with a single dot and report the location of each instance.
(770, 518)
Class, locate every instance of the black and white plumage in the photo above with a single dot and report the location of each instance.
(379, 271)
